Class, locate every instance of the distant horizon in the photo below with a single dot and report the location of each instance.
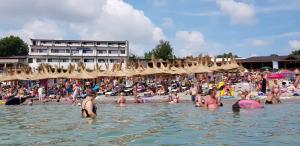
(213, 27)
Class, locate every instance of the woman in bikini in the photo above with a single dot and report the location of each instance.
(274, 96)
(88, 107)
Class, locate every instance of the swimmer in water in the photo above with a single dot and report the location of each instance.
(199, 102)
(30, 102)
(245, 95)
(175, 98)
(122, 100)
(88, 107)
(211, 101)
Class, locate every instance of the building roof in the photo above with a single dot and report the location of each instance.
(14, 57)
(56, 40)
(271, 58)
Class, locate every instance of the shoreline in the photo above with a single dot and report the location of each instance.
(155, 99)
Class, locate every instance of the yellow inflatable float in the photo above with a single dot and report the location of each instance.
(2, 102)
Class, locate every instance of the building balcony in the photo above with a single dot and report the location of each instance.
(102, 45)
(61, 45)
(37, 53)
(102, 54)
(60, 54)
(48, 44)
(88, 45)
(74, 44)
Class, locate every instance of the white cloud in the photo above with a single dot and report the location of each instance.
(189, 43)
(294, 44)
(239, 12)
(261, 43)
(43, 29)
(118, 20)
(84, 19)
(167, 22)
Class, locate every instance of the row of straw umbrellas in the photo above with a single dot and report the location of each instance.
(45, 71)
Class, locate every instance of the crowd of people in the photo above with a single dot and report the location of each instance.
(206, 90)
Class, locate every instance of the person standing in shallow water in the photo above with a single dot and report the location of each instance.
(263, 84)
(122, 100)
(88, 107)
(193, 92)
(211, 102)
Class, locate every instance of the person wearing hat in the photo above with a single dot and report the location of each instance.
(88, 107)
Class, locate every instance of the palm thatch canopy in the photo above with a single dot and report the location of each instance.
(190, 66)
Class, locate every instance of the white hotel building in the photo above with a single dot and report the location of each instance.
(64, 52)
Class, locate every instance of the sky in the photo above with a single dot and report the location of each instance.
(244, 27)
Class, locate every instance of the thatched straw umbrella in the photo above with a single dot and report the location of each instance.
(82, 73)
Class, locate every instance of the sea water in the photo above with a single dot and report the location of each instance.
(150, 124)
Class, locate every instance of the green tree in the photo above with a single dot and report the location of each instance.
(132, 59)
(227, 55)
(274, 55)
(147, 55)
(13, 46)
(163, 51)
(296, 52)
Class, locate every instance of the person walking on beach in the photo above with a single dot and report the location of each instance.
(41, 93)
(88, 107)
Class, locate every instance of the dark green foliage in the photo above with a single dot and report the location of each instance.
(13, 46)
(296, 52)
(162, 51)
(227, 55)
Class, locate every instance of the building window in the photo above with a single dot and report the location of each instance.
(38, 60)
(75, 51)
(39, 50)
(114, 60)
(67, 51)
(101, 60)
(122, 51)
(112, 52)
(88, 60)
(34, 50)
(87, 51)
(53, 60)
(42, 50)
(64, 60)
(22, 60)
(30, 60)
(58, 51)
(75, 60)
(101, 51)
